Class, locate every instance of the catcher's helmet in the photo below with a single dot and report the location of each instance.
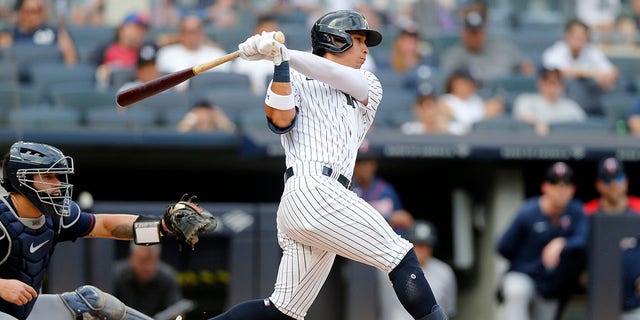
(27, 159)
(334, 26)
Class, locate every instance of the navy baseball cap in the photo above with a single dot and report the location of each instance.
(138, 18)
(147, 54)
(559, 172)
(610, 169)
(422, 231)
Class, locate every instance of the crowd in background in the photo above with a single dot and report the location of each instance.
(447, 66)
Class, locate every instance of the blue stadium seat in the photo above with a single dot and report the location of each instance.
(397, 99)
(217, 80)
(231, 100)
(44, 116)
(591, 125)
(49, 75)
(502, 124)
(160, 105)
(616, 105)
(121, 118)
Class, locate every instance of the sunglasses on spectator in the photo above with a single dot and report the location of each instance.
(618, 179)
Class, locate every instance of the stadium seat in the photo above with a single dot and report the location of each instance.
(231, 100)
(12, 96)
(121, 118)
(44, 116)
(591, 125)
(216, 80)
(629, 69)
(616, 105)
(502, 124)
(514, 84)
(397, 99)
(82, 100)
(49, 75)
(160, 105)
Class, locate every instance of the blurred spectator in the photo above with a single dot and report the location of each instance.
(222, 14)
(547, 106)
(588, 72)
(442, 279)
(612, 186)
(205, 117)
(622, 40)
(429, 116)
(193, 48)
(146, 69)
(544, 245)
(165, 14)
(434, 16)
(409, 59)
(378, 192)
(122, 53)
(488, 57)
(633, 122)
(31, 27)
(259, 72)
(463, 106)
(600, 15)
(87, 12)
(635, 12)
(144, 282)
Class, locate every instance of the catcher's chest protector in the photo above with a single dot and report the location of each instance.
(24, 254)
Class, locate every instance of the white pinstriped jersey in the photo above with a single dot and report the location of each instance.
(318, 218)
(331, 125)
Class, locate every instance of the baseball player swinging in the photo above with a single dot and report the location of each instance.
(322, 105)
(38, 213)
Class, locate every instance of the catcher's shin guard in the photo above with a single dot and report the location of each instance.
(91, 303)
(436, 314)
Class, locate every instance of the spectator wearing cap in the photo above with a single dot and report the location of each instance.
(463, 106)
(612, 186)
(588, 72)
(544, 245)
(130, 35)
(32, 28)
(205, 116)
(488, 57)
(145, 69)
(192, 49)
(547, 106)
(424, 236)
(429, 116)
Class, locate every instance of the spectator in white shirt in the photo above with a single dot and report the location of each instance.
(193, 48)
(548, 105)
(588, 72)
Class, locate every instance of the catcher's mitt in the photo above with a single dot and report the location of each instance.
(186, 219)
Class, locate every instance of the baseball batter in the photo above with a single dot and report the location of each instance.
(322, 105)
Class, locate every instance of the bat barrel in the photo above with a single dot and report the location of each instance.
(153, 87)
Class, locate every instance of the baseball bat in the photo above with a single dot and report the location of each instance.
(155, 86)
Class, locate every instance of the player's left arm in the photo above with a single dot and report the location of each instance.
(349, 80)
(113, 226)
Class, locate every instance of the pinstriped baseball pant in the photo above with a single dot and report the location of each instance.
(318, 218)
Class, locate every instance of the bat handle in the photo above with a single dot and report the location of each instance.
(211, 64)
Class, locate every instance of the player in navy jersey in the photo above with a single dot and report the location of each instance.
(37, 214)
(322, 105)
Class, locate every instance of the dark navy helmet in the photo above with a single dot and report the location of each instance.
(26, 160)
(333, 27)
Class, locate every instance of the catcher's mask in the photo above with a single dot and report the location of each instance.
(25, 161)
(330, 32)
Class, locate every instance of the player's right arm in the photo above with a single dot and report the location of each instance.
(16, 291)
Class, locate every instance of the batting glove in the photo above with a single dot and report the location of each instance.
(249, 49)
(270, 47)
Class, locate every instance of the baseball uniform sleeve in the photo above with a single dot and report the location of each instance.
(77, 224)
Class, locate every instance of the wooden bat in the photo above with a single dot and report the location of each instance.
(155, 86)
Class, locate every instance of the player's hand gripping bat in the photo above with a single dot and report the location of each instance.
(155, 86)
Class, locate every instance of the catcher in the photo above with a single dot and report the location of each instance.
(38, 212)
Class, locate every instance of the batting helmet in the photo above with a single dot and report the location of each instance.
(334, 26)
(27, 159)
